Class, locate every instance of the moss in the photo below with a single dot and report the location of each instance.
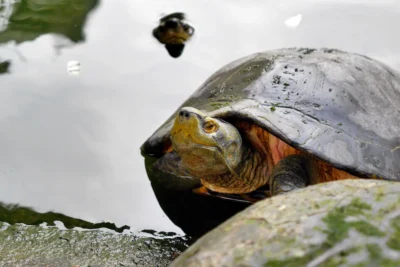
(382, 212)
(13, 214)
(366, 228)
(337, 230)
(239, 258)
(379, 194)
(376, 258)
(290, 262)
(338, 259)
(273, 107)
(221, 104)
(306, 51)
(326, 203)
(394, 240)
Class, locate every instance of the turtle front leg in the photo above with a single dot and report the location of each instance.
(289, 174)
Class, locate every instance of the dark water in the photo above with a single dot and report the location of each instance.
(70, 143)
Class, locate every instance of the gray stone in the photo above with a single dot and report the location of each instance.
(34, 246)
(341, 223)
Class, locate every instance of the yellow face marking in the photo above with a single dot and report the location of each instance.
(188, 130)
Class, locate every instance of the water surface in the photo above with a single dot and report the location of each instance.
(70, 143)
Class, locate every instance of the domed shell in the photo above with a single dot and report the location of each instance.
(342, 107)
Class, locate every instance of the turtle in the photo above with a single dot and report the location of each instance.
(173, 32)
(281, 120)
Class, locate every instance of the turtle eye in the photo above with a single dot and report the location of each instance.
(210, 127)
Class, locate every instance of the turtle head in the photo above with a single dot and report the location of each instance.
(203, 145)
(207, 145)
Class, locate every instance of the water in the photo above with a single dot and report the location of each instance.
(70, 143)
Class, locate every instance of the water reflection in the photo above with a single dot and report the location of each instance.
(71, 143)
(14, 213)
(58, 149)
(26, 20)
(173, 32)
(4, 66)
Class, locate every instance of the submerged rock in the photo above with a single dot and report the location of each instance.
(342, 223)
(26, 245)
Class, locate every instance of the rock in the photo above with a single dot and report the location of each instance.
(342, 223)
(34, 246)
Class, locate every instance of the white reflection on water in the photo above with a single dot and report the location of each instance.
(294, 21)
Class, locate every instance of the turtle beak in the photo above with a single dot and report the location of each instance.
(188, 129)
(188, 112)
(186, 122)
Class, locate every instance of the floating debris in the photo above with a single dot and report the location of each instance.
(74, 67)
(4, 66)
(173, 32)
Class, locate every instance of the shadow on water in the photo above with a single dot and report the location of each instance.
(13, 213)
(26, 20)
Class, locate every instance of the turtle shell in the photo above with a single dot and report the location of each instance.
(344, 108)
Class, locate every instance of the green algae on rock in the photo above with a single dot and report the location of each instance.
(346, 223)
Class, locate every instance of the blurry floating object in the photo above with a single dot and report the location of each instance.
(294, 21)
(4, 66)
(175, 50)
(74, 67)
(173, 32)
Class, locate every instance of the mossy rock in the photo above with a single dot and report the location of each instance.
(342, 223)
(38, 246)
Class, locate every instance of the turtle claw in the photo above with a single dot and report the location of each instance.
(248, 198)
(202, 191)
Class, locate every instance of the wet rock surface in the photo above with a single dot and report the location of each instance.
(25, 245)
(342, 223)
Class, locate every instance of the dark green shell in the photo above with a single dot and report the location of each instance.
(342, 107)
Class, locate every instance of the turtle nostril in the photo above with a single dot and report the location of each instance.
(184, 113)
